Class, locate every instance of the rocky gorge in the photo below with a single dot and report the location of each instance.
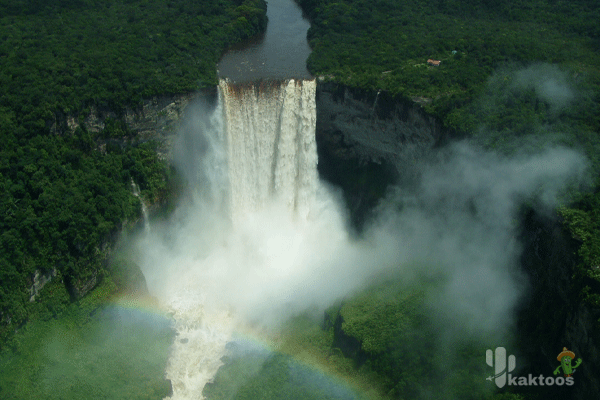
(367, 141)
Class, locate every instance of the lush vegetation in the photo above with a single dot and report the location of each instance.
(299, 363)
(489, 86)
(385, 44)
(92, 351)
(65, 56)
(514, 76)
(65, 193)
(404, 354)
(271, 377)
(62, 199)
(401, 343)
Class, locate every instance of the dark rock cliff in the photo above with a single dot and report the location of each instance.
(156, 118)
(374, 126)
(554, 314)
(367, 140)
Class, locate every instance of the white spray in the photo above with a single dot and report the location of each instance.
(243, 261)
(264, 239)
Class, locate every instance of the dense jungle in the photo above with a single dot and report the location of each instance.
(66, 191)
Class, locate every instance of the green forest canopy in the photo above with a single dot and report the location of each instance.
(61, 198)
(385, 45)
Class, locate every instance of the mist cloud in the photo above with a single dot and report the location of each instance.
(461, 220)
(549, 82)
(457, 225)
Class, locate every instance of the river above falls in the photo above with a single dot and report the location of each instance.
(280, 53)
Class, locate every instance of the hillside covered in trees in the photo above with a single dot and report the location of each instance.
(385, 45)
(64, 194)
(514, 77)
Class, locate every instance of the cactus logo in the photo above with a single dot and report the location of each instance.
(565, 358)
(504, 365)
(498, 360)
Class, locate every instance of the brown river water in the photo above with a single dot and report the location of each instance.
(280, 53)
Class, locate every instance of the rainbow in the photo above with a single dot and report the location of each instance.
(143, 304)
(259, 344)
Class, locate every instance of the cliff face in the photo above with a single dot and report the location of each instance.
(554, 316)
(374, 126)
(156, 119)
(367, 140)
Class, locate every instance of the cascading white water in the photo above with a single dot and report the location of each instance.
(136, 192)
(266, 144)
(272, 154)
(263, 239)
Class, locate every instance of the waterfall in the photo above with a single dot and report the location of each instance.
(271, 148)
(136, 192)
(266, 144)
(375, 102)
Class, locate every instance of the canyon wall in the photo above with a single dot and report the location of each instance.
(369, 140)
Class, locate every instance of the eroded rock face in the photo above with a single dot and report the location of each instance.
(40, 279)
(367, 140)
(553, 315)
(77, 286)
(374, 126)
(157, 118)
